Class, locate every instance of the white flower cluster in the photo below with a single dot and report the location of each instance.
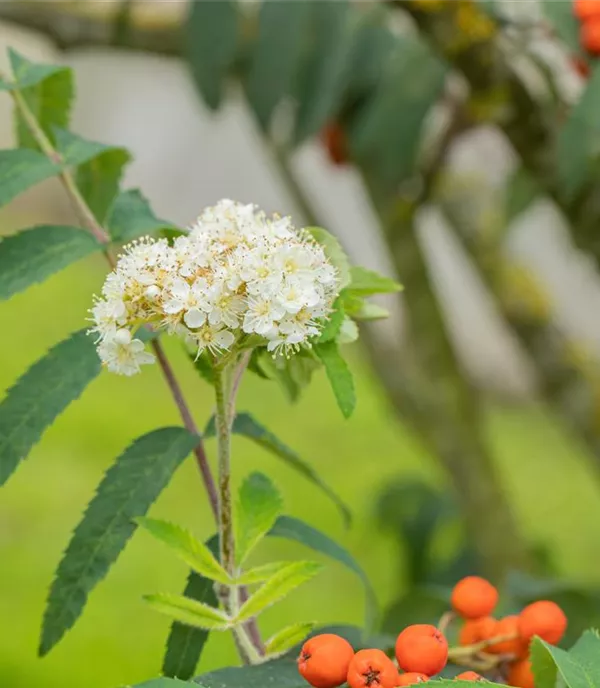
(236, 273)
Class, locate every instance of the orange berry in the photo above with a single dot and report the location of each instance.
(475, 630)
(372, 668)
(324, 660)
(412, 677)
(520, 674)
(585, 9)
(474, 597)
(508, 626)
(469, 676)
(422, 648)
(589, 35)
(544, 619)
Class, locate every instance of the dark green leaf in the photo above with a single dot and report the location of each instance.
(365, 282)
(578, 143)
(334, 252)
(128, 490)
(211, 42)
(282, 31)
(130, 216)
(185, 643)
(294, 529)
(26, 73)
(340, 377)
(34, 254)
(280, 673)
(49, 101)
(41, 395)
(21, 169)
(259, 504)
(334, 324)
(246, 425)
(99, 179)
(166, 683)
(188, 611)
(75, 150)
(578, 668)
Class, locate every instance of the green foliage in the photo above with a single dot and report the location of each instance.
(185, 643)
(365, 282)
(292, 374)
(281, 34)
(75, 150)
(282, 673)
(287, 638)
(211, 42)
(166, 683)
(294, 529)
(259, 574)
(521, 191)
(99, 178)
(20, 169)
(579, 141)
(127, 491)
(26, 73)
(564, 23)
(32, 255)
(258, 507)
(246, 425)
(130, 216)
(189, 549)
(359, 309)
(334, 324)
(188, 611)
(334, 251)
(340, 377)
(578, 668)
(41, 394)
(277, 587)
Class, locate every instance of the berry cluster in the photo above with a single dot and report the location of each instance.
(588, 13)
(497, 647)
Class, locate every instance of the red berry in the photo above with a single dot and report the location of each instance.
(474, 597)
(372, 669)
(469, 676)
(474, 631)
(520, 675)
(422, 648)
(412, 677)
(544, 619)
(585, 9)
(589, 35)
(324, 660)
(516, 646)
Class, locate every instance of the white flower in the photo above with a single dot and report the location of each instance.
(122, 354)
(188, 298)
(225, 307)
(261, 315)
(213, 338)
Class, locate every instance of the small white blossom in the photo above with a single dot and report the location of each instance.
(237, 272)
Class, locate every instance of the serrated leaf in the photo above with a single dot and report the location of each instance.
(76, 150)
(280, 673)
(185, 643)
(131, 216)
(278, 587)
(365, 282)
(287, 638)
(334, 324)
(258, 506)
(245, 424)
(259, 574)
(578, 668)
(34, 254)
(98, 180)
(282, 32)
(189, 549)
(340, 377)
(41, 395)
(22, 168)
(211, 34)
(188, 611)
(578, 144)
(27, 73)
(294, 529)
(127, 490)
(334, 252)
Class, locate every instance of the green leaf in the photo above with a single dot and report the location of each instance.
(185, 643)
(166, 683)
(20, 169)
(190, 550)
(75, 150)
(578, 668)
(359, 309)
(34, 254)
(348, 332)
(41, 395)
(131, 216)
(278, 587)
(564, 22)
(259, 574)
(246, 425)
(49, 99)
(334, 324)
(204, 366)
(365, 282)
(280, 673)
(258, 507)
(282, 31)
(287, 638)
(521, 191)
(340, 377)
(294, 529)
(99, 179)
(334, 251)
(188, 611)
(26, 73)
(210, 42)
(127, 490)
(578, 144)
